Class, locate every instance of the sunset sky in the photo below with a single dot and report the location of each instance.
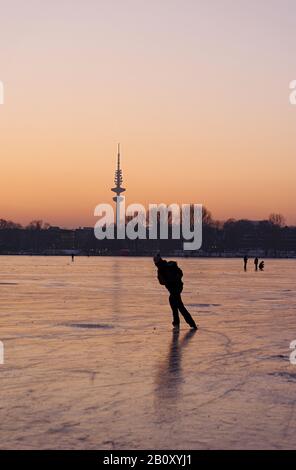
(197, 92)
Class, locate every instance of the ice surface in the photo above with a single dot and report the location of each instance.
(91, 360)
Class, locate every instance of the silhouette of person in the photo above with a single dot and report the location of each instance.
(256, 261)
(72, 256)
(170, 275)
(261, 266)
(245, 262)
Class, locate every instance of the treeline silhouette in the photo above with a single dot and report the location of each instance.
(270, 237)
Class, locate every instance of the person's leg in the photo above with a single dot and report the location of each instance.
(187, 317)
(174, 307)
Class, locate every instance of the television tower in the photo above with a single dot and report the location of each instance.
(118, 189)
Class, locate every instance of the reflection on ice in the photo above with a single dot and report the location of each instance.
(169, 374)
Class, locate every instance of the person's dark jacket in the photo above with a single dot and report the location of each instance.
(170, 275)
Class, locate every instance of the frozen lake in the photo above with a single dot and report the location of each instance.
(91, 360)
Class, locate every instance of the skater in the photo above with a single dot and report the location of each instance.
(256, 261)
(261, 266)
(245, 262)
(170, 275)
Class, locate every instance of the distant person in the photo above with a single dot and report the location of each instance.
(245, 262)
(170, 275)
(73, 257)
(256, 261)
(261, 266)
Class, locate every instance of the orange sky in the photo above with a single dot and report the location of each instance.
(196, 92)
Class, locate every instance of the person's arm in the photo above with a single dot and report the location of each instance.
(160, 278)
(160, 264)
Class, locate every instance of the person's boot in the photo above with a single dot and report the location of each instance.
(176, 326)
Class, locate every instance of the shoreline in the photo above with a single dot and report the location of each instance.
(149, 255)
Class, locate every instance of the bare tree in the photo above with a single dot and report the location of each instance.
(37, 225)
(206, 216)
(277, 220)
(8, 224)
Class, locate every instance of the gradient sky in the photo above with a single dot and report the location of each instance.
(197, 92)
